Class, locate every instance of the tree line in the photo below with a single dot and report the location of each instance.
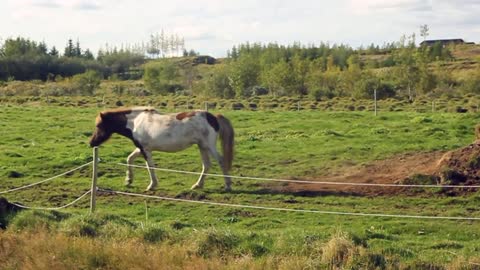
(325, 71)
(24, 59)
(400, 68)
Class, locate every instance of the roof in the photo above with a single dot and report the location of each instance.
(433, 41)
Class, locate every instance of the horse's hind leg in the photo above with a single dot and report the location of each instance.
(151, 171)
(130, 159)
(205, 166)
(219, 158)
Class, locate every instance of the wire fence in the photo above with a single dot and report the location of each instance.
(302, 181)
(53, 208)
(289, 209)
(46, 180)
(94, 190)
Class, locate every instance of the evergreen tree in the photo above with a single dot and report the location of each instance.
(69, 49)
(53, 52)
(88, 55)
(78, 50)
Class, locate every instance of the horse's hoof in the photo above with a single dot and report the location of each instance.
(196, 187)
(151, 188)
(228, 189)
(128, 182)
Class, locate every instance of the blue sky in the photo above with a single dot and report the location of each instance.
(213, 26)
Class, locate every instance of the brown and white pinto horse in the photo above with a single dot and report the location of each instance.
(152, 131)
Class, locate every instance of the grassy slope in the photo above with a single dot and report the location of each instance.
(39, 142)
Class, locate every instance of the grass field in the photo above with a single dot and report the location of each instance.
(42, 141)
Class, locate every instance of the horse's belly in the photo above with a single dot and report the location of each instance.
(171, 145)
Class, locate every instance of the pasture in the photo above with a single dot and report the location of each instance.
(41, 141)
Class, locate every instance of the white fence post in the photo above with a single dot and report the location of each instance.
(93, 192)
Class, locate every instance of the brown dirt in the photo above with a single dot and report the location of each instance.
(460, 166)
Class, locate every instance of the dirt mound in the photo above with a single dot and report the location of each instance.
(461, 166)
(458, 167)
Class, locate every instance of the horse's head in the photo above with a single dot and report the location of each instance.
(103, 130)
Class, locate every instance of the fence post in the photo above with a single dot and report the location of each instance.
(375, 98)
(433, 106)
(298, 106)
(93, 192)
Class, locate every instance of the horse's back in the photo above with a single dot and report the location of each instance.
(170, 132)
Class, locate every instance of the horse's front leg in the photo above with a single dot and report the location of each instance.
(151, 171)
(130, 159)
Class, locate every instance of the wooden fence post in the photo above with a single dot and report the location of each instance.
(93, 192)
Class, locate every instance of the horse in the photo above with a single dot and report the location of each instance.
(150, 131)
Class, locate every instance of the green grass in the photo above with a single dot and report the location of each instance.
(39, 142)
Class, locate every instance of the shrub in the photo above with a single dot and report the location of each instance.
(86, 83)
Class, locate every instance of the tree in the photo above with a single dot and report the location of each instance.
(78, 50)
(234, 53)
(300, 71)
(69, 49)
(426, 80)
(53, 52)
(406, 70)
(151, 77)
(244, 73)
(424, 31)
(88, 55)
(280, 79)
(160, 76)
(218, 84)
(153, 46)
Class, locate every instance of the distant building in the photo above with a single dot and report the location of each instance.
(444, 42)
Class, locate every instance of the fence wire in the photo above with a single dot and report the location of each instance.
(46, 180)
(290, 209)
(301, 181)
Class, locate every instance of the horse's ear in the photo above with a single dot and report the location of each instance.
(102, 115)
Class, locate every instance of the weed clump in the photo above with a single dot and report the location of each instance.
(154, 234)
(216, 243)
(33, 220)
(339, 250)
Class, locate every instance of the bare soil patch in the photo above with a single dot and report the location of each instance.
(458, 167)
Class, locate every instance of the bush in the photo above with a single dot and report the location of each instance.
(86, 83)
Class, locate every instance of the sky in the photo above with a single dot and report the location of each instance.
(214, 26)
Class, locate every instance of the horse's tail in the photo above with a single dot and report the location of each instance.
(227, 136)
